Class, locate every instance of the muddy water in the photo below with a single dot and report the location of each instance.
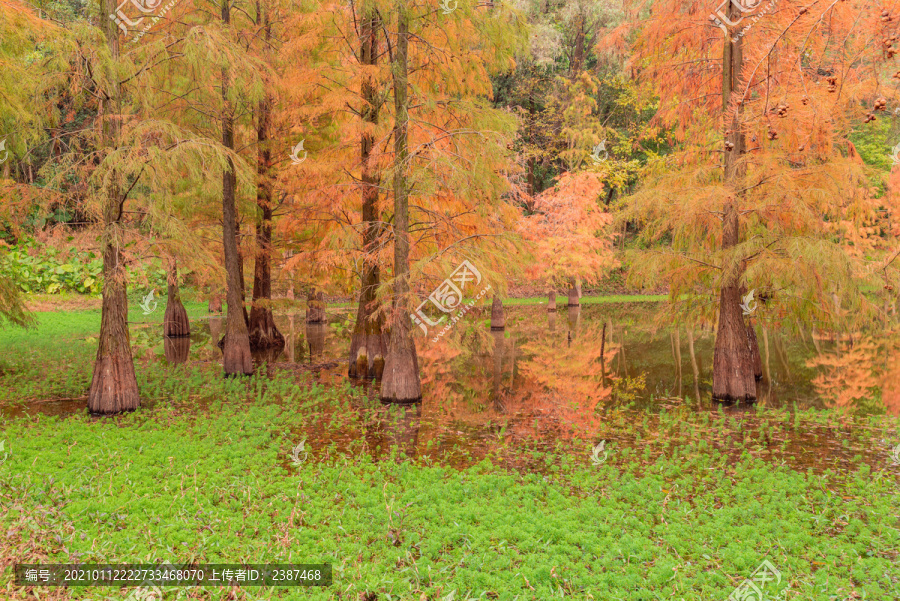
(551, 377)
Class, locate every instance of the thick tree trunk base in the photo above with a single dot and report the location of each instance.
(733, 379)
(264, 334)
(498, 316)
(113, 386)
(551, 304)
(574, 297)
(400, 382)
(177, 349)
(237, 358)
(367, 352)
(175, 321)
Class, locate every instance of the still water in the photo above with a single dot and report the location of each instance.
(585, 373)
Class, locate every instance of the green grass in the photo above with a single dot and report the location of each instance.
(679, 521)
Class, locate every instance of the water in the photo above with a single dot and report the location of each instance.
(565, 376)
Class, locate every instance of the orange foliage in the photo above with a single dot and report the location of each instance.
(569, 231)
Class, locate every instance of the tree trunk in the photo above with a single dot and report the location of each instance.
(694, 366)
(551, 304)
(498, 369)
(315, 339)
(263, 332)
(113, 384)
(754, 351)
(315, 307)
(498, 315)
(175, 321)
(177, 350)
(573, 296)
(237, 358)
(215, 303)
(574, 320)
(401, 368)
(368, 342)
(733, 378)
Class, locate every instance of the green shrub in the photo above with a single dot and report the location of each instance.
(46, 272)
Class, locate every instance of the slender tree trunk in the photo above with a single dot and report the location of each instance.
(733, 378)
(578, 54)
(237, 358)
(676, 355)
(551, 304)
(368, 342)
(694, 366)
(401, 369)
(113, 384)
(262, 330)
(175, 321)
(498, 368)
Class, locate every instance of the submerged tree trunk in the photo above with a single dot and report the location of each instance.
(175, 321)
(262, 330)
(401, 368)
(237, 358)
(369, 343)
(733, 378)
(498, 315)
(113, 384)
